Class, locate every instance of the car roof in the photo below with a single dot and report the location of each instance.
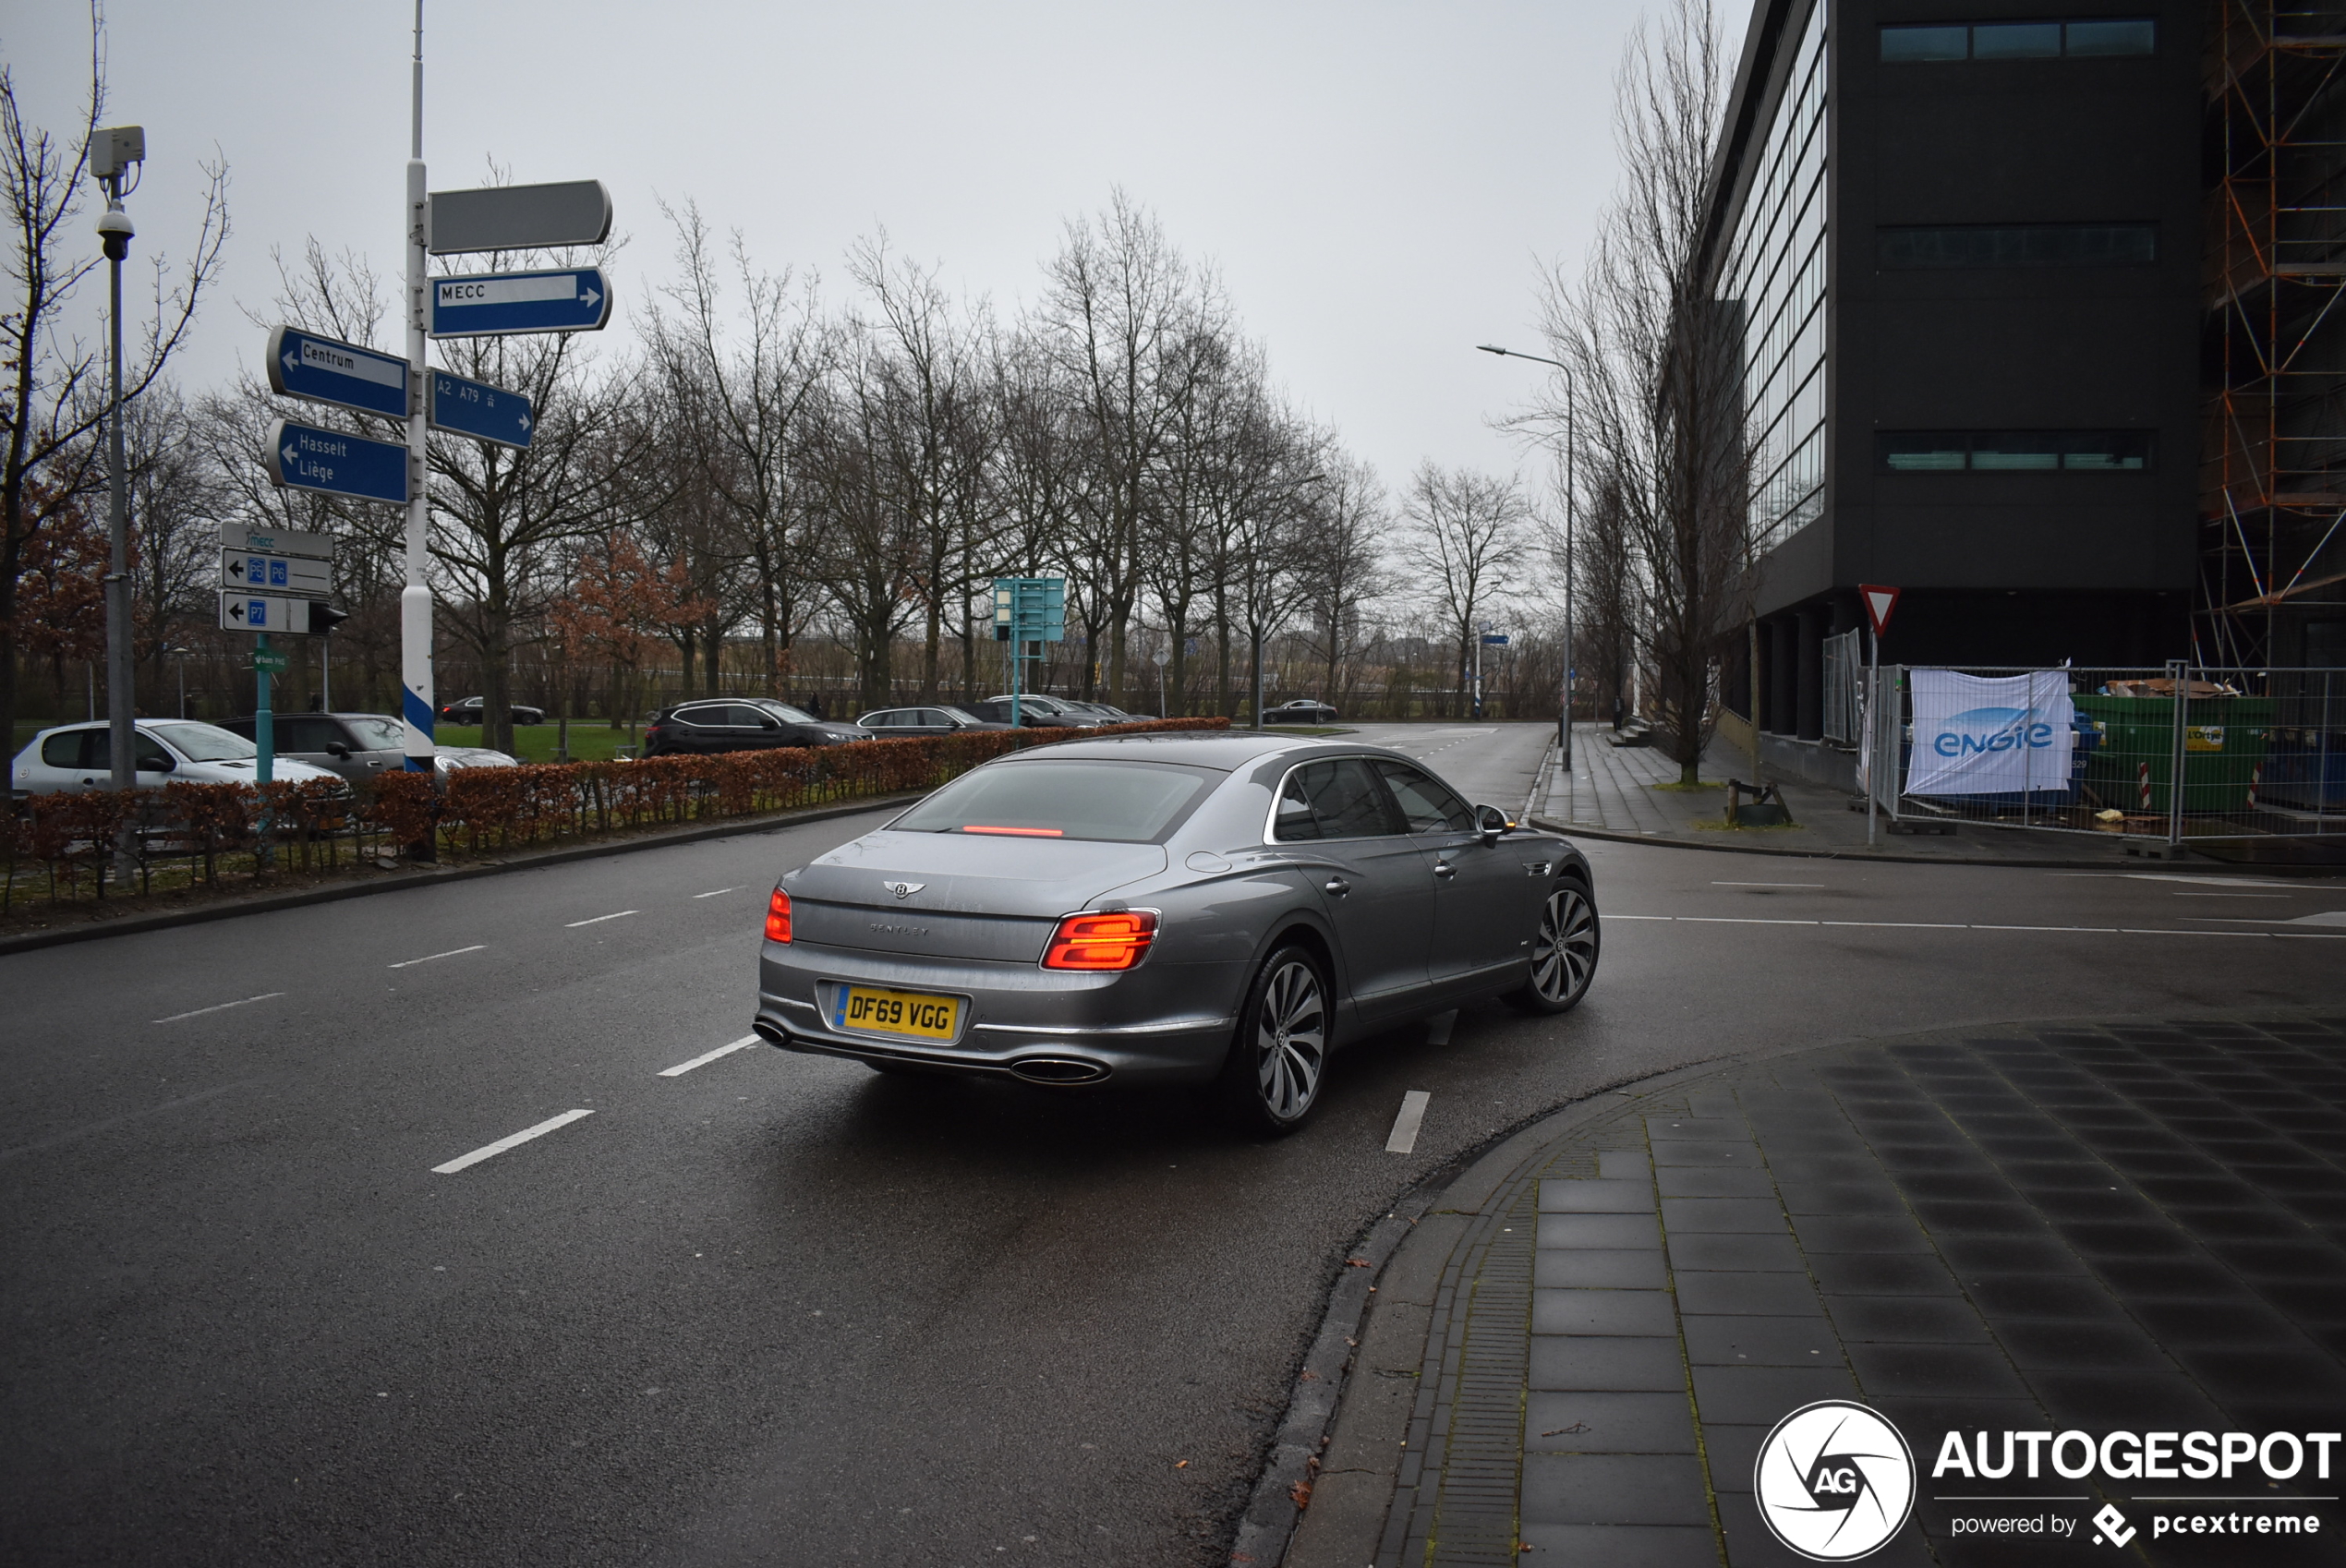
(1224, 750)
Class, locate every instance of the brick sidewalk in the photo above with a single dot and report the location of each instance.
(2131, 1228)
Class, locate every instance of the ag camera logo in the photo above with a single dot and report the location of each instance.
(1834, 1481)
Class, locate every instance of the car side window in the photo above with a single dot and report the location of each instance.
(889, 720)
(70, 748)
(929, 718)
(152, 757)
(1429, 806)
(1295, 822)
(707, 718)
(1332, 800)
(754, 717)
(305, 734)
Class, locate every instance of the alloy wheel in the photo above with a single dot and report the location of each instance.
(1565, 957)
(1290, 1040)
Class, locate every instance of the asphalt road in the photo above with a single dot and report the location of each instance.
(780, 1309)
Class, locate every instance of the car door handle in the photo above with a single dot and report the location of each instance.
(1337, 886)
(1443, 868)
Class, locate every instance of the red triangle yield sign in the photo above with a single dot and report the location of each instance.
(1879, 602)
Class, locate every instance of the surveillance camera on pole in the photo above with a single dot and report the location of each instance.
(114, 151)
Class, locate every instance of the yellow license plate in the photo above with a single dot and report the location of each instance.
(915, 1015)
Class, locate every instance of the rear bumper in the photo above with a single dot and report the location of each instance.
(1163, 1026)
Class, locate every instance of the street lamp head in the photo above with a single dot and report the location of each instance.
(115, 231)
(1492, 348)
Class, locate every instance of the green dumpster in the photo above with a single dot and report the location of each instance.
(2224, 740)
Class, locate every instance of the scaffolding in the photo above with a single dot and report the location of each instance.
(2273, 460)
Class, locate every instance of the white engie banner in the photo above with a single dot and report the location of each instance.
(1989, 735)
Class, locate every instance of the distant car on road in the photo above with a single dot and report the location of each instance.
(471, 710)
(1171, 910)
(895, 723)
(356, 746)
(75, 757)
(1303, 710)
(1031, 715)
(740, 724)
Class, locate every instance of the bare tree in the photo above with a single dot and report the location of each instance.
(1658, 361)
(747, 384)
(1344, 565)
(53, 399)
(1465, 542)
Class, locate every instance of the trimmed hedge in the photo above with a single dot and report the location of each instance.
(309, 826)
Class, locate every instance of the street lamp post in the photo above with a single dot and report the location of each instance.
(113, 152)
(1571, 496)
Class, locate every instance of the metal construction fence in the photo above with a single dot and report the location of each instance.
(2175, 753)
(1845, 673)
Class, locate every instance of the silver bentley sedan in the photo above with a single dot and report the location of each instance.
(1221, 908)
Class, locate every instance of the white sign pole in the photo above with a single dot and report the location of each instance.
(414, 599)
(1873, 729)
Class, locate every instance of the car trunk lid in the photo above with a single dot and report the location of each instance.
(956, 896)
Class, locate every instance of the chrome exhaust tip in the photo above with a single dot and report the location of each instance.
(771, 1034)
(1058, 1071)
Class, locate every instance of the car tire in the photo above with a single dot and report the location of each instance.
(1563, 953)
(1278, 1064)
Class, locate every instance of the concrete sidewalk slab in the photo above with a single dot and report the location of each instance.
(2136, 1229)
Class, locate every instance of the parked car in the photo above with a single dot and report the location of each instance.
(1107, 712)
(75, 757)
(1242, 906)
(471, 710)
(896, 722)
(1301, 710)
(1061, 708)
(996, 711)
(355, 745)
(740, 724)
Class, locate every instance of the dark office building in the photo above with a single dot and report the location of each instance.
(1985, 361)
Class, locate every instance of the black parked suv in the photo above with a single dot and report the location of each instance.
(740, 724)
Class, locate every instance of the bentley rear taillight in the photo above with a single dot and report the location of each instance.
(778, 917)
(1114, 940)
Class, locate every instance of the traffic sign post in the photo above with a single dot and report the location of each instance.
(462, 407)
(519, 217)
(302, 457)
(1027, 610)
(277, 541)
(576, 299)
(317, 369)
(1879, 602)
(242, 611)
(275, 574)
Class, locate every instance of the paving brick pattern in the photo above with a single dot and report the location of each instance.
(2130, 1227)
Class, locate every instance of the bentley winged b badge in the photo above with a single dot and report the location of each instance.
(904, 889)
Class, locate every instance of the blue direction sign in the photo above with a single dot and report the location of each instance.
(306, 365)
(1495, 639)
(302, 457)
(478, 409)
(575, 300)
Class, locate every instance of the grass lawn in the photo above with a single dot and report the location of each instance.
(590, 740)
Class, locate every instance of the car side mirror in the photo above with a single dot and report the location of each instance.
(1490, 822)
(336, 749)
(164, 764)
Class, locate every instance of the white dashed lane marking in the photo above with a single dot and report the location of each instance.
(1404, 1137)
(715, 891)
(220, 1007)
(575, 924)
(453, 952)
(681, 1068)
(491, 1151)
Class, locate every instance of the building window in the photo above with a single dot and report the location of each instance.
(1772, 283)
(2014, 452)
(2019, 41)
(1916, 247)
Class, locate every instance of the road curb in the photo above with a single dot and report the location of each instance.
(1272, 1522)
(1574, 830)
(90, 930)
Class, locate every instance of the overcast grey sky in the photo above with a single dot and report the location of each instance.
(1374, 180)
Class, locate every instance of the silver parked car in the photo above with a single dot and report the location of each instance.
(78, 757)
(1167, 909)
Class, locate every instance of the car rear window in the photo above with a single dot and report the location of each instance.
(1125, 802)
